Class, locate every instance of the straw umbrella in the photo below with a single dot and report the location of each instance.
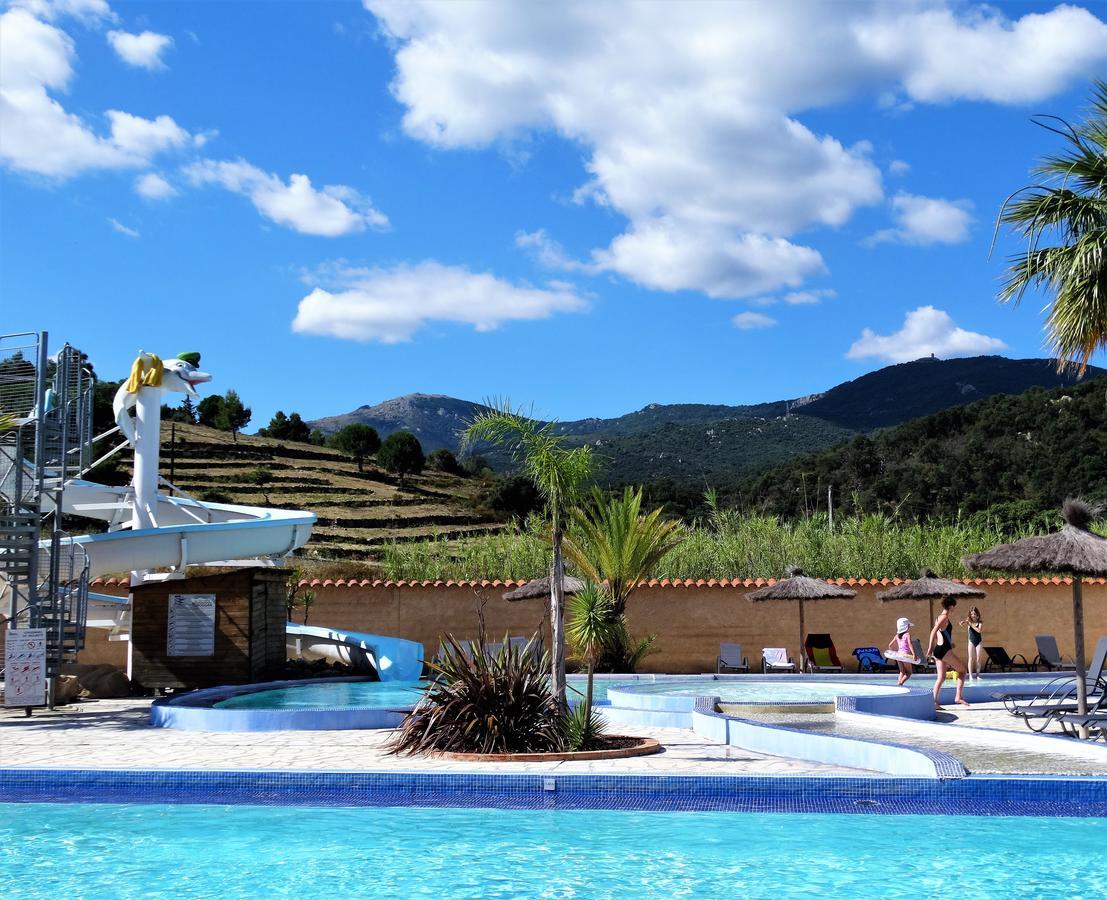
(800, 587)
(929, 586)
(1074, 550)
(540, 587)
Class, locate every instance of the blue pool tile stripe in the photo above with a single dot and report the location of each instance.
(976, 795)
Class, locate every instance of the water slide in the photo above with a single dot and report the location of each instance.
(148, 530)
(394, 658)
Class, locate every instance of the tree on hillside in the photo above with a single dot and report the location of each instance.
(234, 416)
(357, 441)
(559, 474)
(286, 428)
(260, 477)
(210, 410)
(1068, 209)
(317, 438)
(401, 454)
(442, 460)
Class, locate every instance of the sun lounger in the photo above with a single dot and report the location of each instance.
(1049, 657)
(1061, 686)
(1094, 722)
(1000, 659)
(776, 659)
(819, 654)
(871, 659)
(730, 659)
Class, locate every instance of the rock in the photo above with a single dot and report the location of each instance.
(66, 689)
(100, 682)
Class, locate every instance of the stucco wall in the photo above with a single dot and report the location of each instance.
(691, 619)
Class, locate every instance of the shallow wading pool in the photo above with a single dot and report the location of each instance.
(101, 851)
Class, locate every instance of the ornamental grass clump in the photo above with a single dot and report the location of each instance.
(484, 702)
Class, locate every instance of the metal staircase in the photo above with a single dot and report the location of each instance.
(43, 575)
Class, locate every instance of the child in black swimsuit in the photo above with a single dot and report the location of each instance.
(976, 627)
(941, 648)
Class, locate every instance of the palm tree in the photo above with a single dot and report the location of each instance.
(614, 542)
(591, 630)
(1068, 207)
(559, 474)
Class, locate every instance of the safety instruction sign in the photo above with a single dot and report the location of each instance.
(191, 625)
(25, 667)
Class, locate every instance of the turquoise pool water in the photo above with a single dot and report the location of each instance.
(109, 851)
(759, 691)
(337, 695)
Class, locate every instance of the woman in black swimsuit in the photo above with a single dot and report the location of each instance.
(941, 648)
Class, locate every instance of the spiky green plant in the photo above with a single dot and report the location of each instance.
(590, 628)
(1067, 207)
(484, 703)
(614, 542)
(559, 474)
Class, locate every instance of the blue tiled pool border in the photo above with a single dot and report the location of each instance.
(976, 795)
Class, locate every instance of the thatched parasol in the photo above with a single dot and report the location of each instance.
(800, 587)
(929, 586)
(540, 587)
(1074, 550)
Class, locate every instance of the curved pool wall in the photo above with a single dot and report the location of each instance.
(828, 749)
(196, 711)
(634, 704)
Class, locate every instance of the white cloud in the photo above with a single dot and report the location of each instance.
(925, 331)
(153, 186)
(926, 220)
(980, 54)
(51, 10)
(122, 229)
(37, 135)
(689, 114)
(549, 252)
(141, 50)
(666, 256)
(749, 321)
(330, 211)
(898, 167)
(390, 305)
(797, 298)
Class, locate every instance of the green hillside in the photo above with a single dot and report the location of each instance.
(1030, 450)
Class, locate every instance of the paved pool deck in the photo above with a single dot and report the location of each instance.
(114, 734)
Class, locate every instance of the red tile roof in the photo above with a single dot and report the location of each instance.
(653, 582)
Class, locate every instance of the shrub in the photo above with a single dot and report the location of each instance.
(483, 703)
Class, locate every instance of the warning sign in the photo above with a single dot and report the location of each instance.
(25, 667)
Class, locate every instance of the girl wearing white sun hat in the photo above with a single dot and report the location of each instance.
(901, 651)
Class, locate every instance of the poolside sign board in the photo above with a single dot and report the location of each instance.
(191, 625)
(25, 667)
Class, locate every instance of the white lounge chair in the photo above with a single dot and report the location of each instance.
(730, 659)
(1049, 655)
(776, 659)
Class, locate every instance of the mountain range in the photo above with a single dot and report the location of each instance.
(685, 441)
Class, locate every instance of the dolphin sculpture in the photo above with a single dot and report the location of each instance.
(179, 376)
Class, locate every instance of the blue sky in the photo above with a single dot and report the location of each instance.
(588, 208)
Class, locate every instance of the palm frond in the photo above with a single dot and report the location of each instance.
(1070, 210)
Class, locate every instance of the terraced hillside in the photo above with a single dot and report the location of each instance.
(357, 510)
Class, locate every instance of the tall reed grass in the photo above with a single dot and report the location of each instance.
(870, 546)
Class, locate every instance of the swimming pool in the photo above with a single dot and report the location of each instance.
(100, 851)
(766, 691)
(332, 695)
